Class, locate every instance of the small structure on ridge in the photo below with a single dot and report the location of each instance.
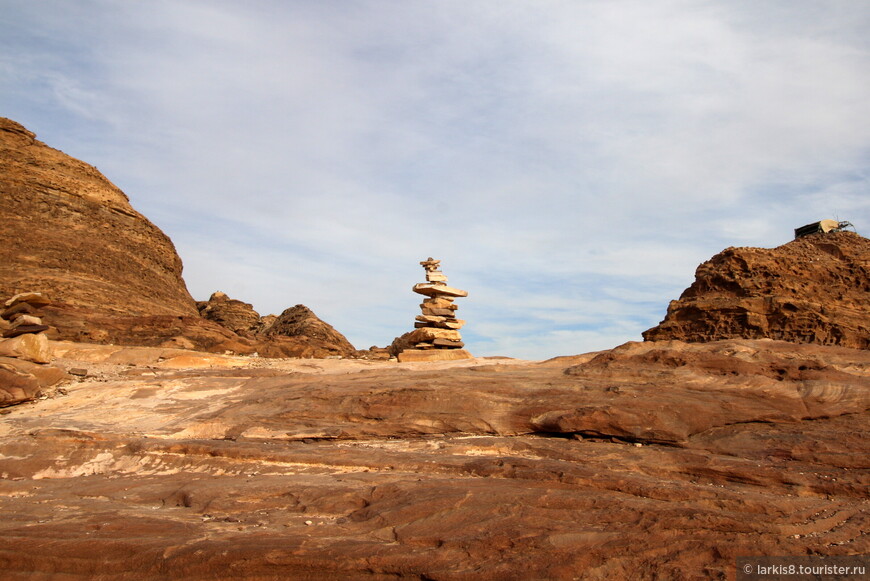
(822, 226)
(436, 330)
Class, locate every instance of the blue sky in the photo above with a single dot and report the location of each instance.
(570, 162)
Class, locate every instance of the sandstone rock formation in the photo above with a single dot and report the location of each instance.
(812, 290)
(237, 316)
(112, 276)
(662, 460)
(436, 334)
(300, 323)
(68, 231)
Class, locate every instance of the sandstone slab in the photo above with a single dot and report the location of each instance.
(29, 347)
(409, 355)
(431, 333)
(434, 290)
(15, 331)
(445, 470)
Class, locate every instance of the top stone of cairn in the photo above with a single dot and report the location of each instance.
(433, 272)
(436, 282)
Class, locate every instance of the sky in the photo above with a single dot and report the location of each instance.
(570, 162)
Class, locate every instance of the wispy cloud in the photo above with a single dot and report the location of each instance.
(570, 162)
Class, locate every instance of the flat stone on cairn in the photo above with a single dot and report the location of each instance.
(436, 331)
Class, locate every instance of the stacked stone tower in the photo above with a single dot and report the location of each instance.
(436, 330)
(22, 330)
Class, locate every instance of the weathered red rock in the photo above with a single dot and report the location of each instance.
(812, 290)
(235, 315)
(111, 275)
(688, 456)
(300, 322)
(69, 232)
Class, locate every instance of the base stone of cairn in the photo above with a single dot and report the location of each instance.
(436, 330)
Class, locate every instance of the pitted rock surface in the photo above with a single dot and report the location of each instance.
(814, 289)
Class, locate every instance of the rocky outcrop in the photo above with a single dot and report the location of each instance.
(812, 290)
(110, 274)
(300, 323)
(663, 460)
(297, 332)
(69, 232)
(237, 316)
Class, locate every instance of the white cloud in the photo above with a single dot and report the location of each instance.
(562, 158)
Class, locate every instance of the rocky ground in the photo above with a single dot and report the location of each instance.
(656, 460)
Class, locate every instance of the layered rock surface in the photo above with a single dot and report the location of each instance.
(68, 231)
(815, 289)
(649, 461)
(110, 275)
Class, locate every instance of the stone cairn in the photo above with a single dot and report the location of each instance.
(23, 332)
(436, 331)
(20, 316)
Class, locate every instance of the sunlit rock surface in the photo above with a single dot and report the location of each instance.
(814, 289)
(649, 461)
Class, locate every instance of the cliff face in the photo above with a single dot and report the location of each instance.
(110, 274)
(67, 230)
(812, 290)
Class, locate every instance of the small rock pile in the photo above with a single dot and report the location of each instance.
(21, 315)
(436, 331)
(25, 351)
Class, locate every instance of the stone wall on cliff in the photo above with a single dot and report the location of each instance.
(814, 289)
(67, 230)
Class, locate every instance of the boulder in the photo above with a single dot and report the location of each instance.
(28, 347)
(22, 381)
